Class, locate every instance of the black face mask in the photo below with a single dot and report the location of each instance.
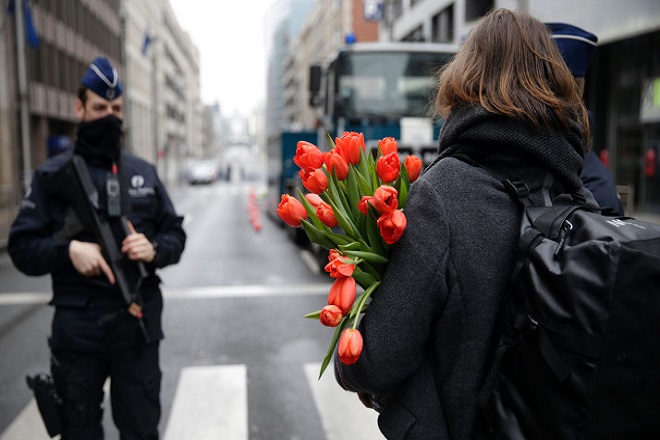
(99, 141)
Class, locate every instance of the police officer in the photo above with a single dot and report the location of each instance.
(94, 336)
(577, 47)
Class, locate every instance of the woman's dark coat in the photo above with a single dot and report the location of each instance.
(428, 331)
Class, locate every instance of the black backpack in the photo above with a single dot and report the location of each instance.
(579, 355)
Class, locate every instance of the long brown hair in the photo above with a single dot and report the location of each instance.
(510, 65)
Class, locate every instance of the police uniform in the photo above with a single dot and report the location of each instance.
(577, 47)
(93, 336)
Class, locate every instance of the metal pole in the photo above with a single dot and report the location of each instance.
(23, 97)
(128, 128)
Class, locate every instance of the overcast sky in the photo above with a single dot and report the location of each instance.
(231, 42)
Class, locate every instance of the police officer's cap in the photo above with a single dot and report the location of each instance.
(102, 79)
(576, 46)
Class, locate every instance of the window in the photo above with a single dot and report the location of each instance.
(443, 25)
(475, 9)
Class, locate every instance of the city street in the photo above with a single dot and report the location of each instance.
(239, 360)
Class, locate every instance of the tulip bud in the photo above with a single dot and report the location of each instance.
(388, 166)
(308, 156)
(315, 180)
(291, 211)
(336, 164)
(413, 166)
(331, 316)
(350, 145)
(350, 345)
(391, 226)
(326, 215)
(363, 204)
(338, 265)
(386, 199)
(313, 199)
(388, 145)
(342, 294)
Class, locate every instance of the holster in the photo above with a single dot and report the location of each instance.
(49, 403)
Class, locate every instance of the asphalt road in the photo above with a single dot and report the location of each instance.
(239, 360)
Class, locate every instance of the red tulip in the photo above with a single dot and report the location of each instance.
(363, 204)
(342, 294)
(315, 180)
(308, 156)
(326, 215)
(385, 199)
(391, 226)
(313, 199)
(350, 346)
(331, 316)
(388, 145)
(413, 165)
(291, 211)
(336, 163)
(339, 265)
(388, 167)
(349, 145)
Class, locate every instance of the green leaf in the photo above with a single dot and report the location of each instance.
(371, 257)
(364, 279)
(318, 236)
(327, 239)
(313, 315)
(339, 196)
(403, 193)
(365, 184)
(365, 173)
(333, 343)
(360, 305)
(343, 218)
(311, 212)
(353, 246)
(373, 233)
(340, 239)
(353, 191)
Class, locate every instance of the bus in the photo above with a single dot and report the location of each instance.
(381, 89)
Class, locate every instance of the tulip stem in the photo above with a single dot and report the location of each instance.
(363, 299)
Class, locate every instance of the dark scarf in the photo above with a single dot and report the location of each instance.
(99, 141)
(476, 132)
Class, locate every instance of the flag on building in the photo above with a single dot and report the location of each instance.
(31, 35)
(146, 43)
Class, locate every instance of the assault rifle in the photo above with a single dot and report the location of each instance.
(73, 183)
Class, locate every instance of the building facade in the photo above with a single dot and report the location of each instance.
(165, 113)
(40, 77)
(622, 85)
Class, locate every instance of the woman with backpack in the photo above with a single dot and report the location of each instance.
(509, 102)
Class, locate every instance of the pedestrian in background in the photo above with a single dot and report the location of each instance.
(510, 102)
(577, 47)
(93, 336)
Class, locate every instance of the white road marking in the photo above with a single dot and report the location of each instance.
(243, 291)
(210, 403)
(230, 291)
(342, 414)
(27, 425)
(10, 299)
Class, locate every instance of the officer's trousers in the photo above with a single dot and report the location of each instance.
(135, 379)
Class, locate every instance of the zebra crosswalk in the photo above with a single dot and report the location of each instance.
(211, 402)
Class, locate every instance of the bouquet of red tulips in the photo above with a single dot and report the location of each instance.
(354, 208)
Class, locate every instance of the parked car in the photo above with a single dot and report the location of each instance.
(202, 172)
